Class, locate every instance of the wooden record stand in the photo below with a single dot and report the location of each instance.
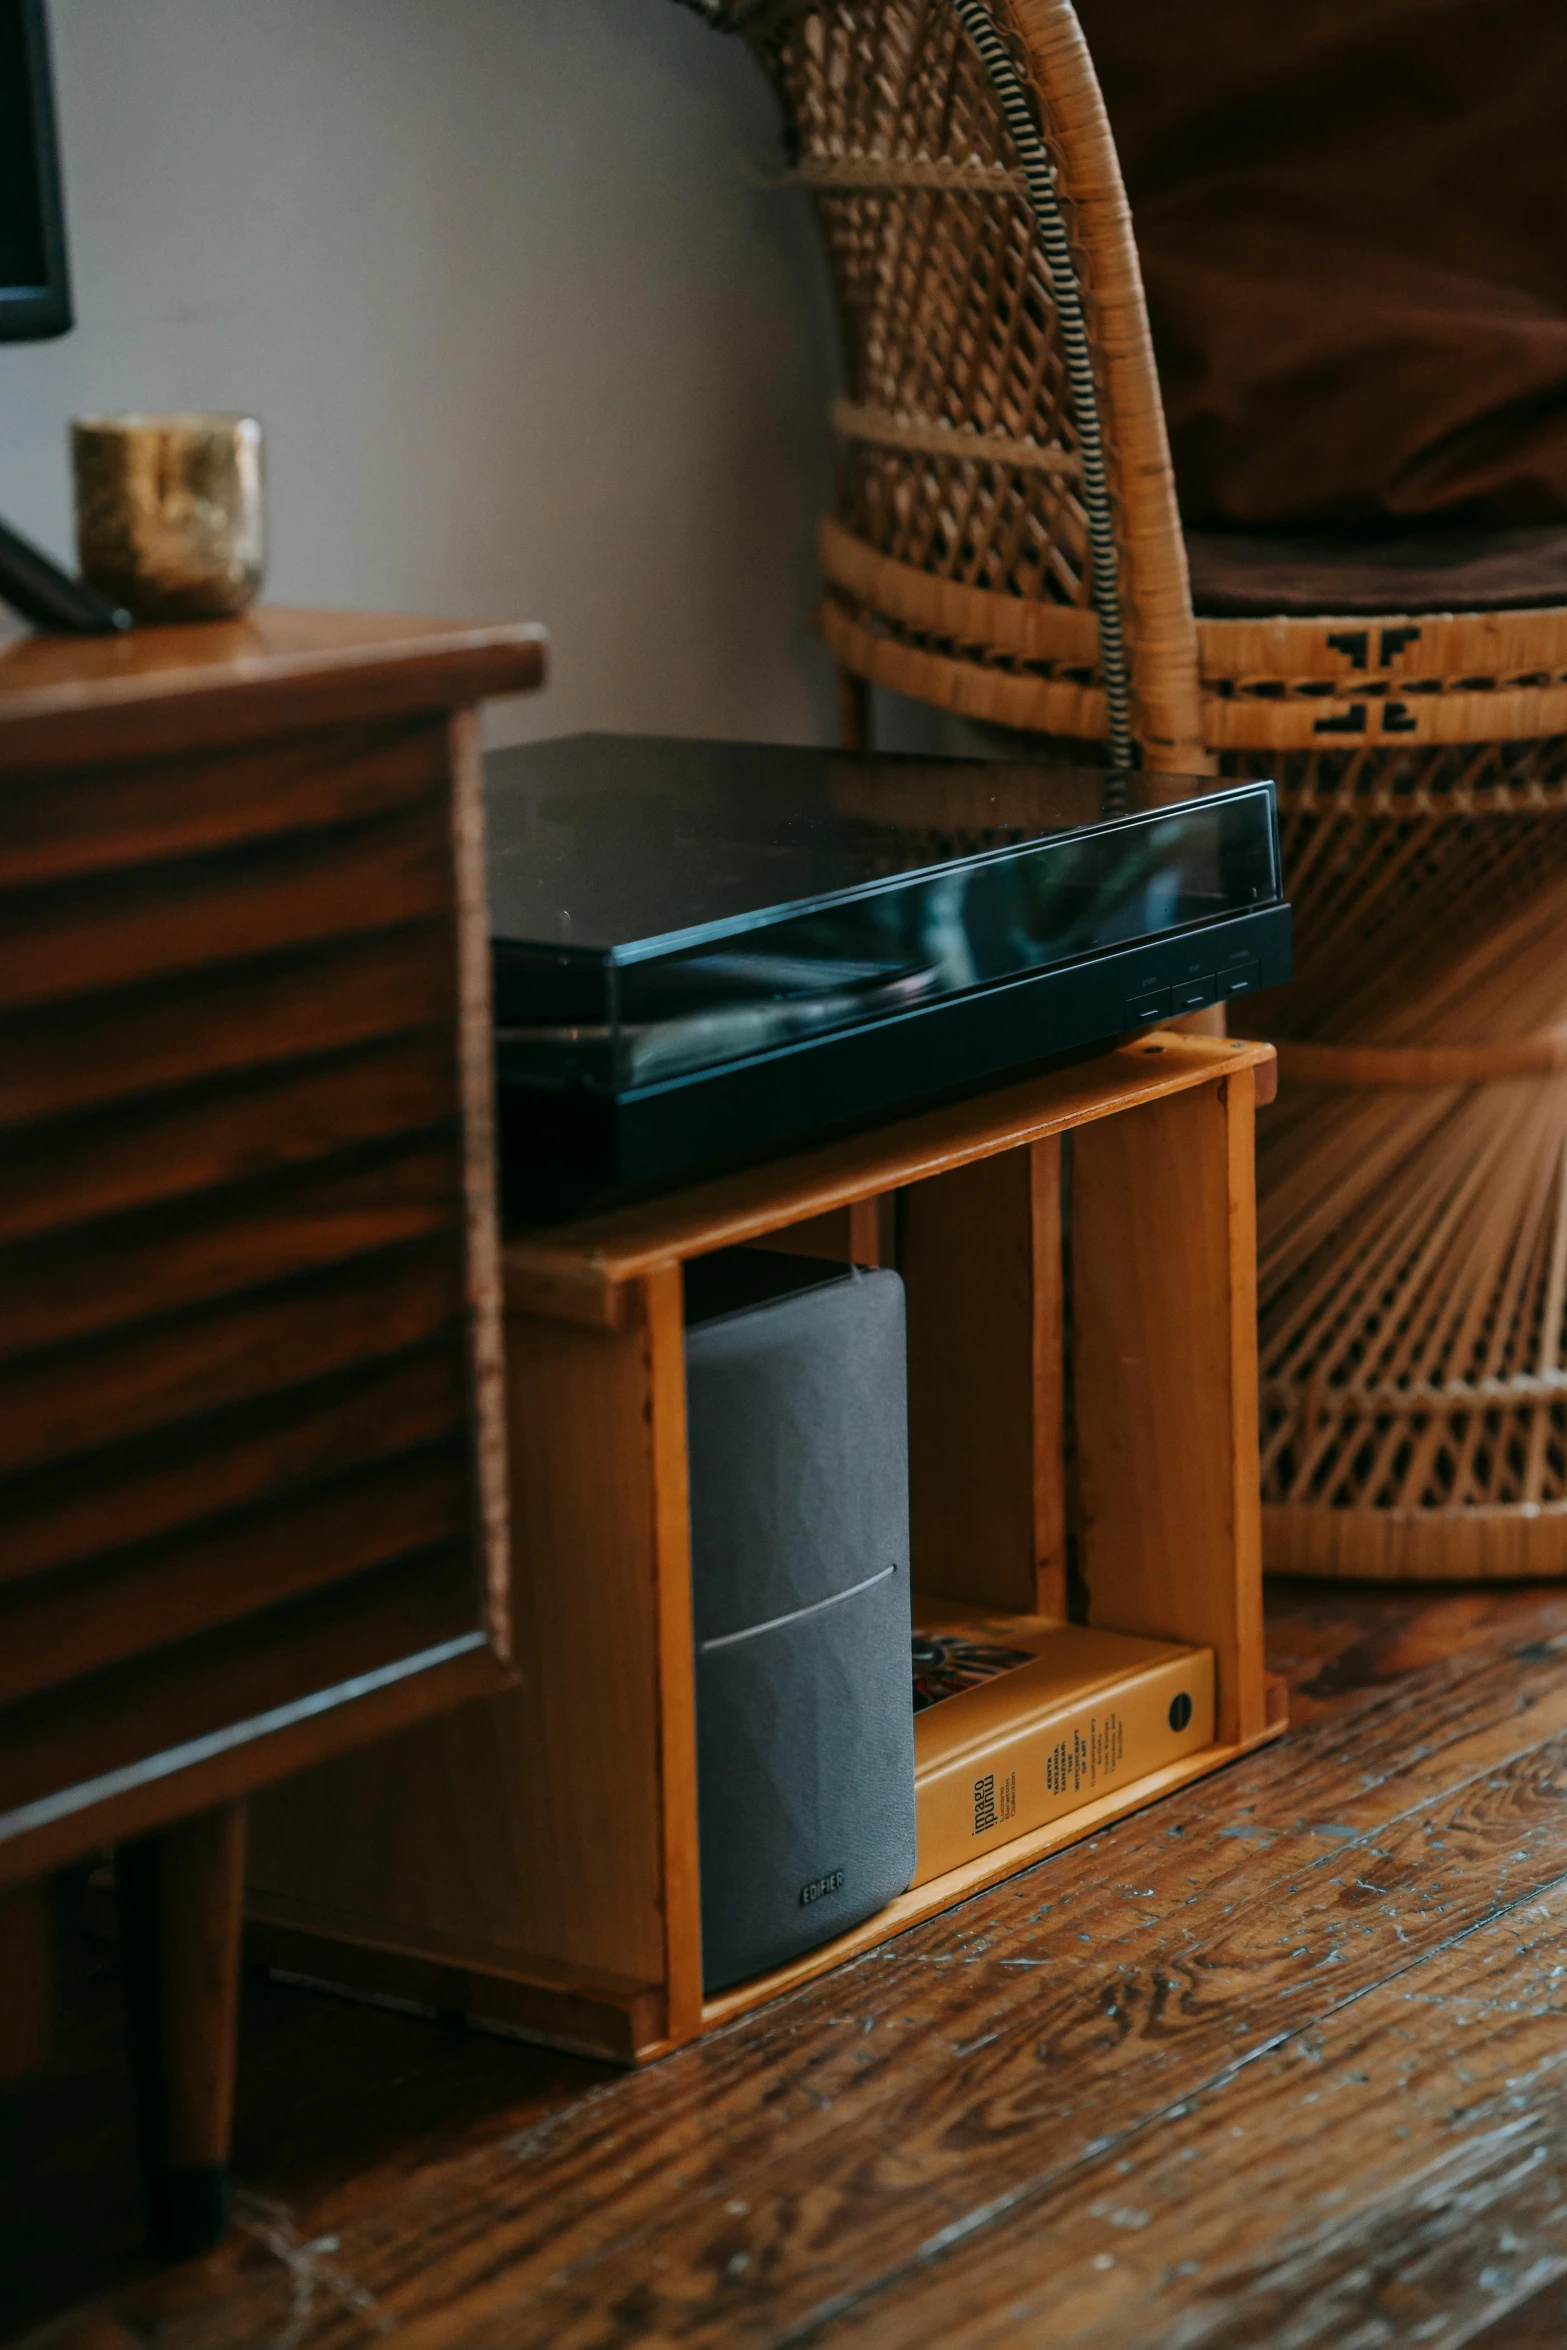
(532, 1861)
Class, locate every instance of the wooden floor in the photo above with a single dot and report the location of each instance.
(1280, 2061)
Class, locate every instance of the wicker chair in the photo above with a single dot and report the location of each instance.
(1006, 545)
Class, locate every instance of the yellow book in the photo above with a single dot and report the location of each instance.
(1022, 1719)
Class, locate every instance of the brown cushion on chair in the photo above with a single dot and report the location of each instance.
(1246, 576)
(1352, 219)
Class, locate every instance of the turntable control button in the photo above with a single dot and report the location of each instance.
(1240, 979)
(1143, 1010)
(1189, 995)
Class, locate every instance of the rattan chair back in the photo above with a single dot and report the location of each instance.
(1413, 1182)
(937, 138)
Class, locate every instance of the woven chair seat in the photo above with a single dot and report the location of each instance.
(1245, 575)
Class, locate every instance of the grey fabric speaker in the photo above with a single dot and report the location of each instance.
(796, 1398)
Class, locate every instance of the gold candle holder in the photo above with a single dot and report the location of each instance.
(170, 517)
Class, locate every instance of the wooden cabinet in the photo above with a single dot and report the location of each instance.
(252, 1473)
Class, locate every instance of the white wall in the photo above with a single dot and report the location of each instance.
(531, 326)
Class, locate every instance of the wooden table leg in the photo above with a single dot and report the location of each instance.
(181, 1900)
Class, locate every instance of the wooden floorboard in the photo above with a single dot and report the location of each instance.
(1281, 2060)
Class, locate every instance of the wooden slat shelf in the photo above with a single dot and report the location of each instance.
(533, 1861)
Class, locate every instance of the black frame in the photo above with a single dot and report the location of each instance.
(32, 313)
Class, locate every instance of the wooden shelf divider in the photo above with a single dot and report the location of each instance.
(532, 1859)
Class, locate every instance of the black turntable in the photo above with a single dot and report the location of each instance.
(709, 952)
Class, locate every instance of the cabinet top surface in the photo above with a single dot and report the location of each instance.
(43, 676)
